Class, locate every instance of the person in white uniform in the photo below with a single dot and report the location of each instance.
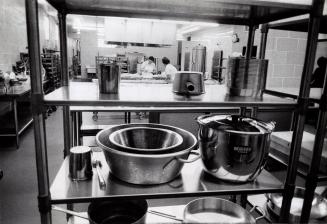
(148, 66)
(170, 70)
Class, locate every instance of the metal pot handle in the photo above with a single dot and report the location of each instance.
(198, 156)
(263, 212)
(183, 160)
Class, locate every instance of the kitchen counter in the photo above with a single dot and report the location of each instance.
(156, 95)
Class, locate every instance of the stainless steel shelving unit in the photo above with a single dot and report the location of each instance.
(247, 12)
(312, 174)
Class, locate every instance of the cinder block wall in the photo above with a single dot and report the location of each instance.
(285, 51)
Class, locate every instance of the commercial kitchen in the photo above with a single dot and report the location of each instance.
(151, 111)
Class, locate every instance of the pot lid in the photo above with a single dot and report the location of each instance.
(236, 123)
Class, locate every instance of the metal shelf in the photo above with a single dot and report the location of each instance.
(240, 12)
(247, 12)
(293, 93)
(156, 95)
(300, 25)
(193, 181)
(302, 168)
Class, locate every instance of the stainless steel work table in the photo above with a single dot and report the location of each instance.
(156, 97)
(20, 122)
(193, 181)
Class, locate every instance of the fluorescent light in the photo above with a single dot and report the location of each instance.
(101, 43)
(189, 30)
(168, 21)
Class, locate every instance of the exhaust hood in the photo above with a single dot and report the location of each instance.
(135, 44)
(134, 32)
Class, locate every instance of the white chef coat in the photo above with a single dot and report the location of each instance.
(148, 67)
(170, 71)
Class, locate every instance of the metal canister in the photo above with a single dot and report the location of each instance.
(109, 78)
(80, 167)
(246, 77)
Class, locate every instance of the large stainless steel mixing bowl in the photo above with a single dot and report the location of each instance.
(145, 140)
(139, 168)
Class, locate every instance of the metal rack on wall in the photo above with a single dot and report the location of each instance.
(255, 13)
(51, 64)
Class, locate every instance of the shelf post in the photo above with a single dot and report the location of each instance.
(262, 51)
(302, 105)
(65, 79)
(31, 7)
(263, 41)
(250, 42)
(311, 181)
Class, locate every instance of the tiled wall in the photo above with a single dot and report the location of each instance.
(13, 34)
(285, 51)
(13, 37)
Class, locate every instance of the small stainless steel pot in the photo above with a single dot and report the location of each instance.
(145, 140)
(119, 211)
(216, 210)
(213, 210)
(318, 210)
(188, 83)
(233, 148)
(139, 168)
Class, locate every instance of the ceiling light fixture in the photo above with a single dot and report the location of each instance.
(188, 29)
(209, 24)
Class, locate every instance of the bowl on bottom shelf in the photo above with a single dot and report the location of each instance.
(138, 168)
(147, 140)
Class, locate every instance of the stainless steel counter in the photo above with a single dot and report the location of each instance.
(193, 181)
(155, 95)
